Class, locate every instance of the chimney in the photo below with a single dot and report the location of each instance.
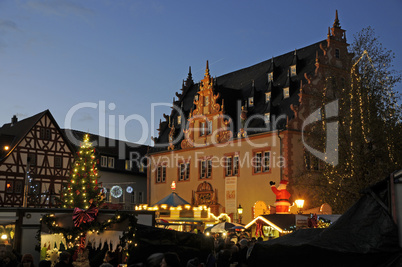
(14, 120)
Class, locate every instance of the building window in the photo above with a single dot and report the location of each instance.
(209, 127)
(58, 162)
(286, 92)
(140, 197)
(9, 187)
(251, 101)
(128, 165)
(18, 187)
(184, 169)
(337, 53)
(121, 198)
(235, 165)
(161, 174)
(45, 133)
(293, 70)
(267, 117)
(267, 97)
(261, 161)
(110, 162)
(103, 161)
(257, 162)
(205, 169)
(266, 161)
(132, 198)
(32, 159)
(178, 119)
(270, 76)
(232, 165)
(107, 195)
(202, 128)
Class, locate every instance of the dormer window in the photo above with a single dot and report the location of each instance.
(286, 92)
(270, 76)
(267, 117)
(267, 97)
(337, 53)
(178, 119)
(251, 101)
(293, 70)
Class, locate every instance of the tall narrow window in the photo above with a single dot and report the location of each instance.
(132, 198)
(286, 92)
(202, 128)
(209, 168)
(209, 127)
(202, 169)
(337, 53)
(267, 117)
(110, 162)
(103, 161)
(293, 70)
(228, 166)
(251, 101)
(58, 162)
(257, 162)
(267, 97)
(236, 165)
(184, 169)
(270, 76)
(266, 161)
(178, 119)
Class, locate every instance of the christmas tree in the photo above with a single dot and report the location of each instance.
(83, 189)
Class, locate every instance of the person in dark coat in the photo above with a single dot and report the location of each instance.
(64, 260)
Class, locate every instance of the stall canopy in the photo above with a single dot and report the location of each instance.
(172, 200)
(366, 235)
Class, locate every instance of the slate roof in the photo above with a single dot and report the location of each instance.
(235, 88)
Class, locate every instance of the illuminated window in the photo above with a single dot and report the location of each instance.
(286, 92)
(267, 117)
(270, 76)
(251, 101)
(178, 119)
(110, 162)
(9, 187)
(267, 97)
(293, 70)
(128, 165)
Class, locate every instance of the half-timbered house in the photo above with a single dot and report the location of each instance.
(35, 160)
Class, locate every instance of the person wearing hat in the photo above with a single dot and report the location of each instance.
(282, 203)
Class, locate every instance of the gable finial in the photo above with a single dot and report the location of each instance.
(207, 70)
(336, 22)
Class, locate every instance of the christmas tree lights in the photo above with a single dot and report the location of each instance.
(83, 185)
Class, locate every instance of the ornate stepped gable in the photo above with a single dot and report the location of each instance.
(206, 124)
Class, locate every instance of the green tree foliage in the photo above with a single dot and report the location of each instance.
(83, 184)
(369, 129)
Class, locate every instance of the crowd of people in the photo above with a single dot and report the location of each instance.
(227, 252)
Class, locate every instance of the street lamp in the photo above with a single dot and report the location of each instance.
(299, 205)
(240, 212)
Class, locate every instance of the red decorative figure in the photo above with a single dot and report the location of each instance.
(282, 203)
